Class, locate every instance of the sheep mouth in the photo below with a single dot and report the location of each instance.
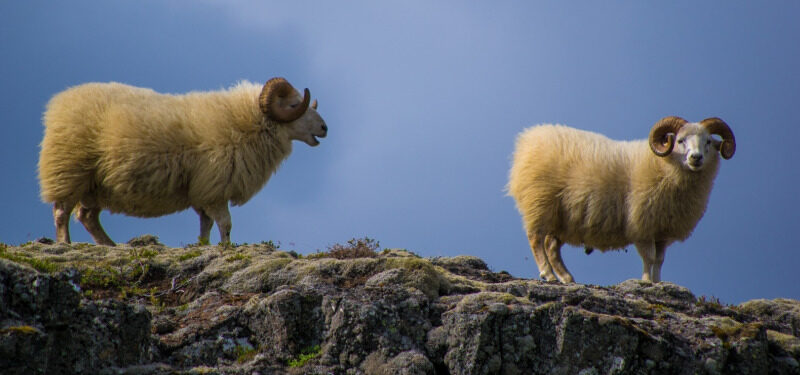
(313, 141)
(695, 166)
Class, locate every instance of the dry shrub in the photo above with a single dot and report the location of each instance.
(356, 248)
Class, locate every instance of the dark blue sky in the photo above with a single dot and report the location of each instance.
(424, 101)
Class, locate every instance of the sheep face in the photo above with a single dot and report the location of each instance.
(694, 147)
(280, 102)
(308, 127)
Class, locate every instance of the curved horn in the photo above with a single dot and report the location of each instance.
(662, 135)
(716, 126)
(272, 101)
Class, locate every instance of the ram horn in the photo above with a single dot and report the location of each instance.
(716, 126)
(662, 135)
(273, 101)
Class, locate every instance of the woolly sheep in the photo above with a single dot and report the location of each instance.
(132, 150)
(581, 188)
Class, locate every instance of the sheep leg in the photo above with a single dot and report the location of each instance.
(61, 212)
(552, 247)
(647, 251)
(205, 225)
(660, 252)
(222, 217)
(90, 218)
(537, 248)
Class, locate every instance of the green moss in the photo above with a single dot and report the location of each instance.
(236, 257)
(40, 265)
(271, 265)
(245, 353)
(306, 355)
(143, 253)
(101, 277)
(190, 255)
(20, 330)
(789, 343)
(410, 263)
(659, 308)
(489, 298)
(203, 370)
(81, 245)
(729, 330)
(507, 298)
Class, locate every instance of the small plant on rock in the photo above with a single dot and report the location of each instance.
(356, 248)
(306, 355)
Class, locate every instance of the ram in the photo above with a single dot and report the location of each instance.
(134, 151)
(581, 188)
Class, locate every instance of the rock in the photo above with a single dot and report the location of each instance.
(46, 328)
(253, 309)
(144, 240)
(410, 362)
(782, 315)
(45, 240)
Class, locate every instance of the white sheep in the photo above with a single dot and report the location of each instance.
(134, 151)
(581, 188)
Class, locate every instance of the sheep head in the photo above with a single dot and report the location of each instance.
(691, 144)
(280, 102)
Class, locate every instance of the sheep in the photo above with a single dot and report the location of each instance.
(134, 151)
(581, 188)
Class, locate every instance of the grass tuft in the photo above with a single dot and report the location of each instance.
(306, 355)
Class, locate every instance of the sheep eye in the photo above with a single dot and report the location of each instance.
(680, 141)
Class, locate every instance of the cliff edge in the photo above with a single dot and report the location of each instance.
(144, 308)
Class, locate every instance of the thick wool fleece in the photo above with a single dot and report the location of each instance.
(135, 151)
(588, 190)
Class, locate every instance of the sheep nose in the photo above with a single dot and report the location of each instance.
(696, 157)
(325, 128)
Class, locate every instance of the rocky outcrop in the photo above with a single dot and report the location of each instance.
(47, 328)
(253, 309)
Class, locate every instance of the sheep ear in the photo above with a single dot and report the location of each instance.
(314, 104)
(716, 144)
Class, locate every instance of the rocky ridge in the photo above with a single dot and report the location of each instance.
(143, 308)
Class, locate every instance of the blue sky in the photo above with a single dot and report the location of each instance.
(424, 100)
